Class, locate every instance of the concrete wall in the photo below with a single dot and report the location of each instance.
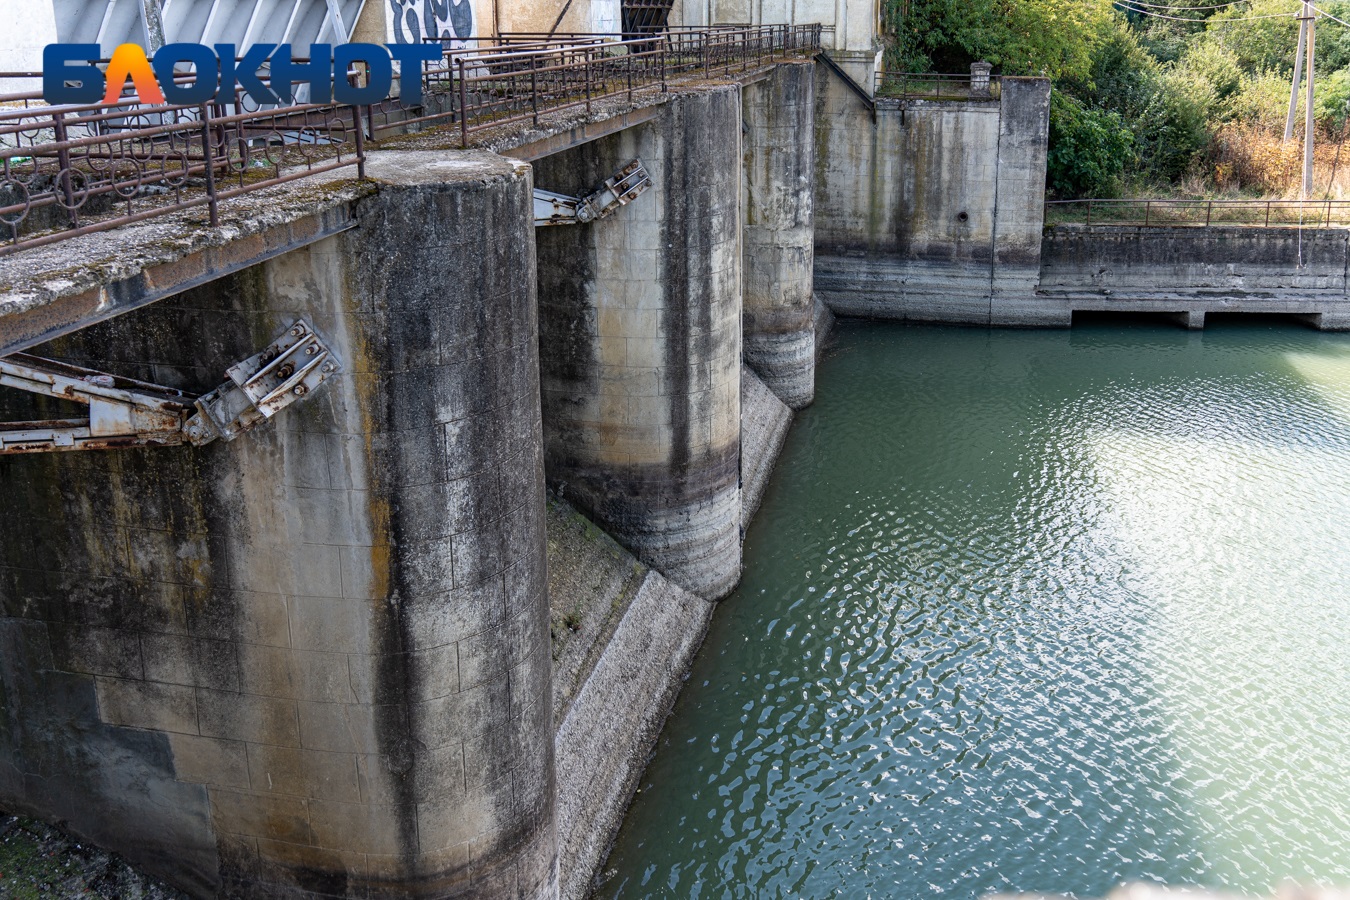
(1191, 271)
(779, 231)
(622, 646)
(856, 22)
(640, 342)
(933, 211)
(314, 661)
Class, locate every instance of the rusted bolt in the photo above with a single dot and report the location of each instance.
(300, 390)
(297, 331)
(311, 349)
(330, 368)
(286, 371)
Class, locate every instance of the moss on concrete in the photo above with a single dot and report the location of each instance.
(39, 861)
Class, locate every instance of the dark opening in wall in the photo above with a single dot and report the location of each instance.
(1248, 320)
(645, 16)
(1122, 318)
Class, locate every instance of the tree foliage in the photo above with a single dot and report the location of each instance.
(1138, 99)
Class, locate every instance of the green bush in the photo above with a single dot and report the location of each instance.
(1089, 149)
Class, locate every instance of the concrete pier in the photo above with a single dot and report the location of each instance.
(640, 342)
(314, 661)
(779, 213)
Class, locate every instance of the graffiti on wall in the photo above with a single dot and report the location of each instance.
(449, 20)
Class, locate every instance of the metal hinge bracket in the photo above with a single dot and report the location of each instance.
(629, 183)
(128, 413)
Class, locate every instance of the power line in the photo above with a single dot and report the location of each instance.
(1331, 17)
(1144, 12)
(1175, 8)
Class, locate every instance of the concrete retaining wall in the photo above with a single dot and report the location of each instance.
(932, 211)
(1192, 271)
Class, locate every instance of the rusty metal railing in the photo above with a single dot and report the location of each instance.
(919, 86)
(76, 169)
(481, 88)
(1200, 213)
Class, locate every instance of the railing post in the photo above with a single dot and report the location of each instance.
(587, 51)
(63, 160)
(1209, 212)
(664, 52)
(360, 143)
(1267, 213)
(463, 106)
(630, 75)
(534, 88)
(212, 201)
(1328, 213)
(1089, 217)
(1148, 207)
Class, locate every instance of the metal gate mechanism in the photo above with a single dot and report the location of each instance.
(128, 413)
(627, 185)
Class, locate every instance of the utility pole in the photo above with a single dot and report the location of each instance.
(1308, 111)
(1307, 40)
(1298, 73)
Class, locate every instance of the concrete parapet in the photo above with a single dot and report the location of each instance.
(313, 662)
(779, 231)
(640, 342)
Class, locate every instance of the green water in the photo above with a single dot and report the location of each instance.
(1038, 611)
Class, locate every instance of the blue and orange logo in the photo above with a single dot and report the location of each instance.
(191, 74)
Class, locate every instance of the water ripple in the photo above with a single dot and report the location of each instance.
(1028, 611)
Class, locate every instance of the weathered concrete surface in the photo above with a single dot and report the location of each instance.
(1194, 271)
(314, 661)
(623, 639)
(591, 582)
(765, 421)
(612, 725)
(640, 342)
(1019, 210)
(779, 232)
(933, 212)
(824, 327)
(50, 291)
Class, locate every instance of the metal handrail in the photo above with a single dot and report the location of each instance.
(1149, 212)
(74, 169)
(935, 86)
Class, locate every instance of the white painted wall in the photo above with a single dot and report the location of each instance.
(606, 16)
(855, 21)
(30, 25)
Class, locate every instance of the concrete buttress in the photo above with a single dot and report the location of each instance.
(779, 229)
(313, 662)
(640, 352)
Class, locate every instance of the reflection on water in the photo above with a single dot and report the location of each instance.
(1044, 611)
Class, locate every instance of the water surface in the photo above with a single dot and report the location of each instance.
(1043, 611)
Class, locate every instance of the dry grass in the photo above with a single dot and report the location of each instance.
(1253, 159)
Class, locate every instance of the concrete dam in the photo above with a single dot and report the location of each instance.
(415, 634)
